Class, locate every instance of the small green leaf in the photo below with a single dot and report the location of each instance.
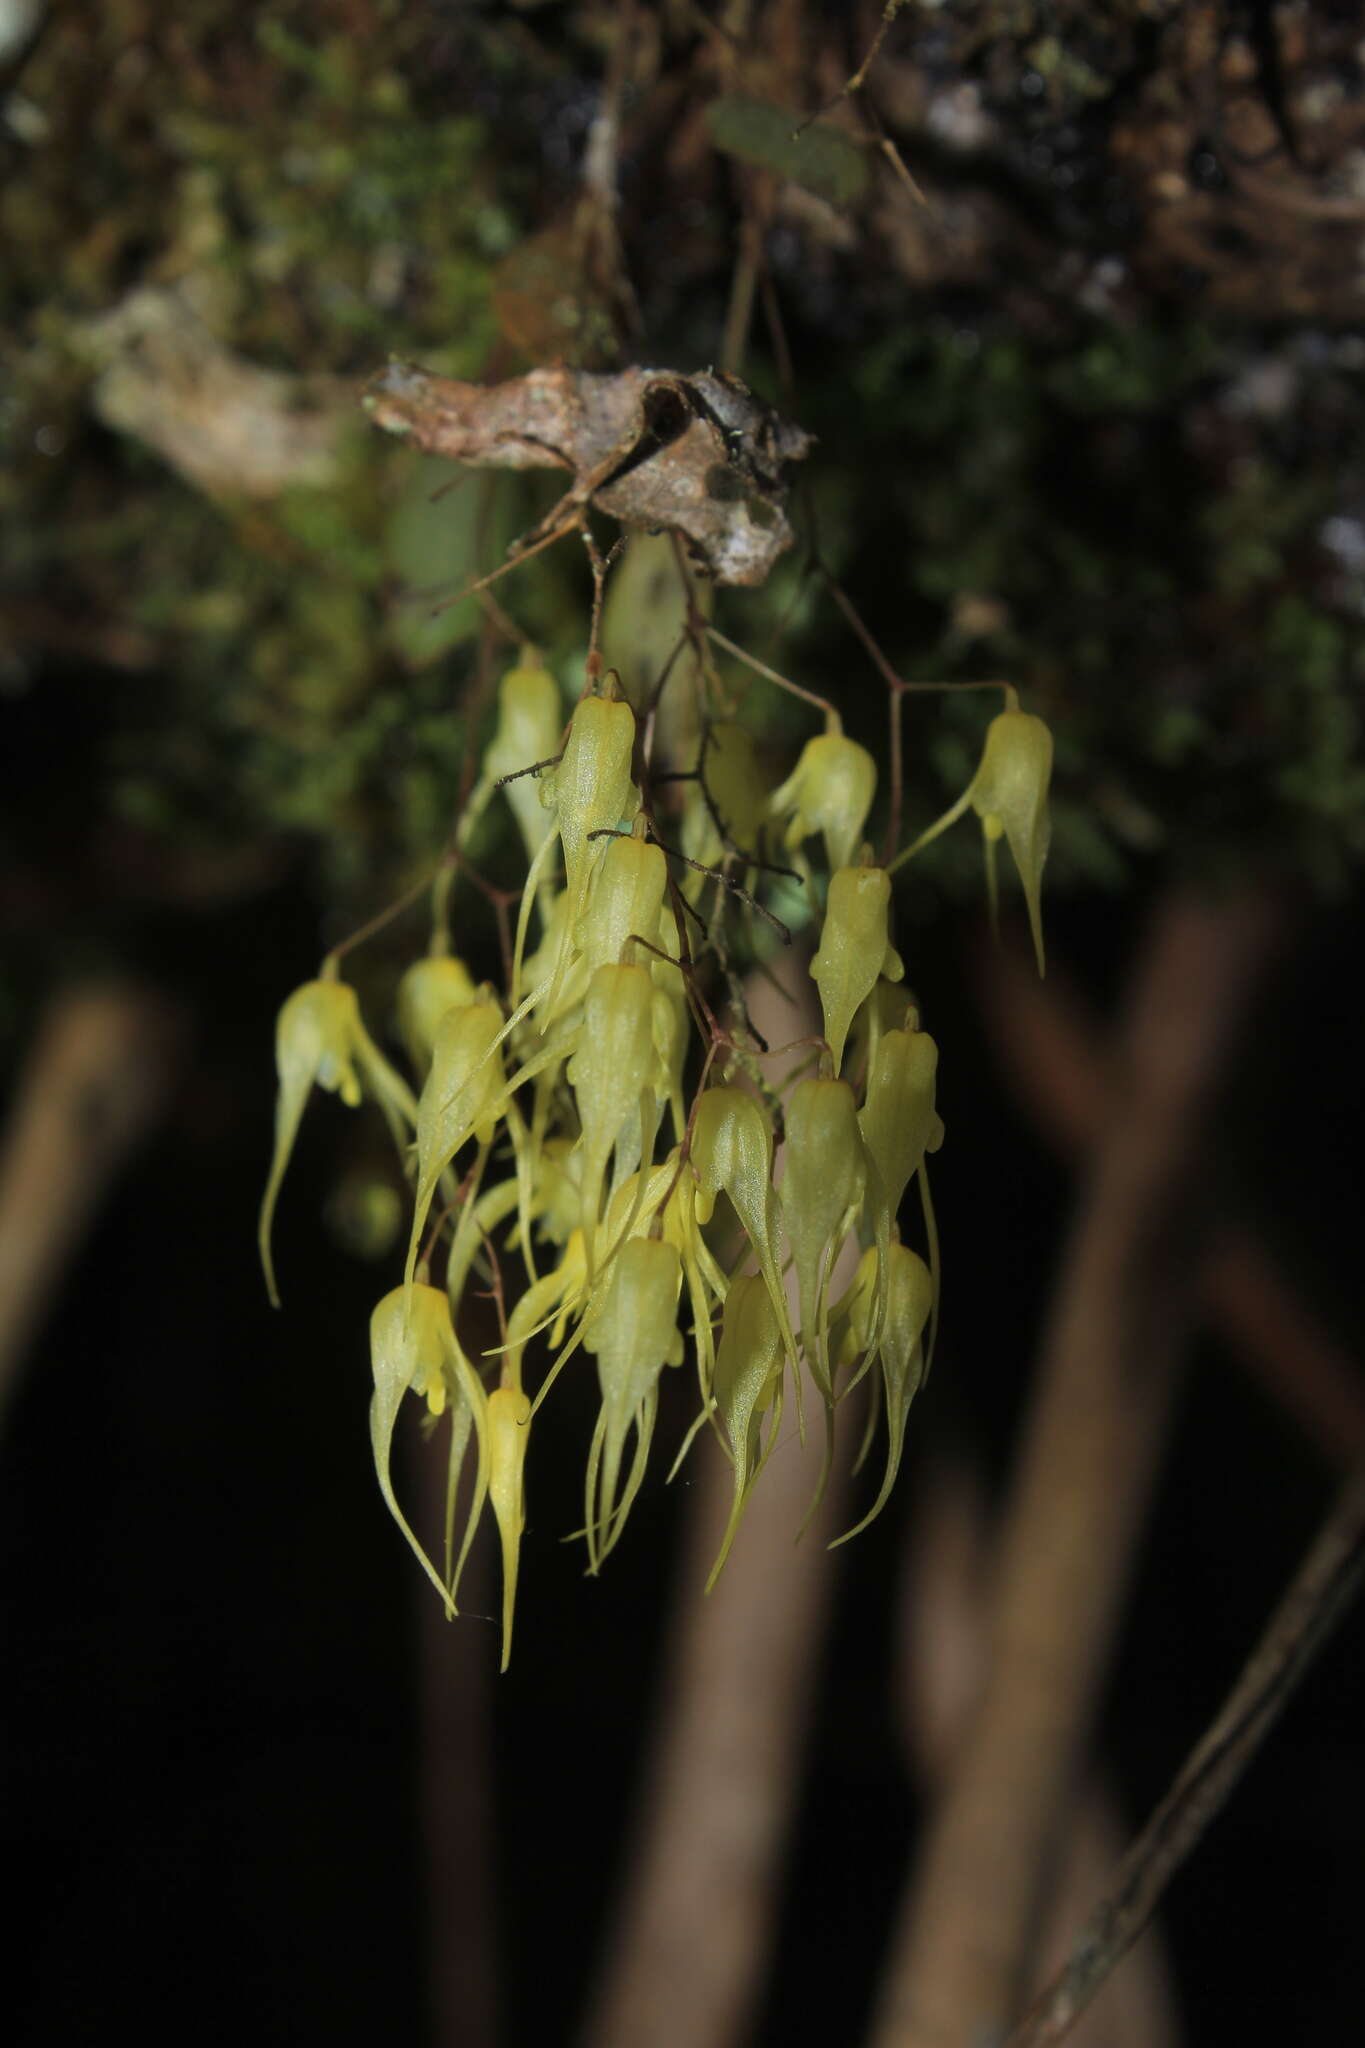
(822, 158)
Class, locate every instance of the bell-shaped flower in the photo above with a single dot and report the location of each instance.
(590, 792)
(413, 1347)
(823, 1184)
(508, 1428)
(1009, 793)
(854, 949)
(633, 1331)
(320, 1038)
(462, 1098)
(612, 1074)
(829, 791)
(669, 1198)
(530, 721)
(732, 1152)
(899, 1121)
(909, 1293)
(890, 1007)
(427, 992)
(625, 902)
(748, 1387)
(900, 1127)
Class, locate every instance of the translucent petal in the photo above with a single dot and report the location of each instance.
(824, 1180)
(615, 1064)
(591, 792)
(625, 900)
(315, 1041)
(428, 991)
(509, 1430)
(829, 791)
(899, 1121)
(748, 1386)
(413, 1345)
(530, 721)
(1009, 794)
(634, 1334)
(459, 1100)
(909, 1293)
(854, 949)
(732, 1150)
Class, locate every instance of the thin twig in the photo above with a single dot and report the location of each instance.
(857, 79)
(773, 675)
(1319, 1594)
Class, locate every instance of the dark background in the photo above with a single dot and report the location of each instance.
(218, 1703)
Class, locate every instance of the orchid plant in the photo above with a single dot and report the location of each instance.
(584, 1122)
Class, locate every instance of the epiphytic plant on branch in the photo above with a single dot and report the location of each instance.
(571, 1133)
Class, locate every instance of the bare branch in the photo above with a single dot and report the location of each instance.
(1326, 1582)
(697, 455)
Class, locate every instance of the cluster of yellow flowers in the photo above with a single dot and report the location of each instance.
(564, 1118)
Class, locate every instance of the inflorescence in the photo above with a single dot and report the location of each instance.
(584, 1120)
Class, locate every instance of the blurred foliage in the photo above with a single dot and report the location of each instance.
(1150, 520)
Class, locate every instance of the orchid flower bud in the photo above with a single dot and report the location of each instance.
(684, 1208)
(634, 1334)
(1009, 795)
(461, 1099)
(508, 1427)
(590, 791)
(909, 1293)
(413, 1346)
(319, 1037)
(732, 1150)
(748, 1386)
(854, 950)
(900, 1128)
(890, 1007)
(830, 791)
(824, 1181)
(626, 900)
(614, 1066)
(427, 992)
(530, 721)
(899, 1122)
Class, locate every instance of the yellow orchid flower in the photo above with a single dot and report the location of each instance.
(413, 1348)
(1009, 793)
(829, 791)
(320, 1038)
(854, 950)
